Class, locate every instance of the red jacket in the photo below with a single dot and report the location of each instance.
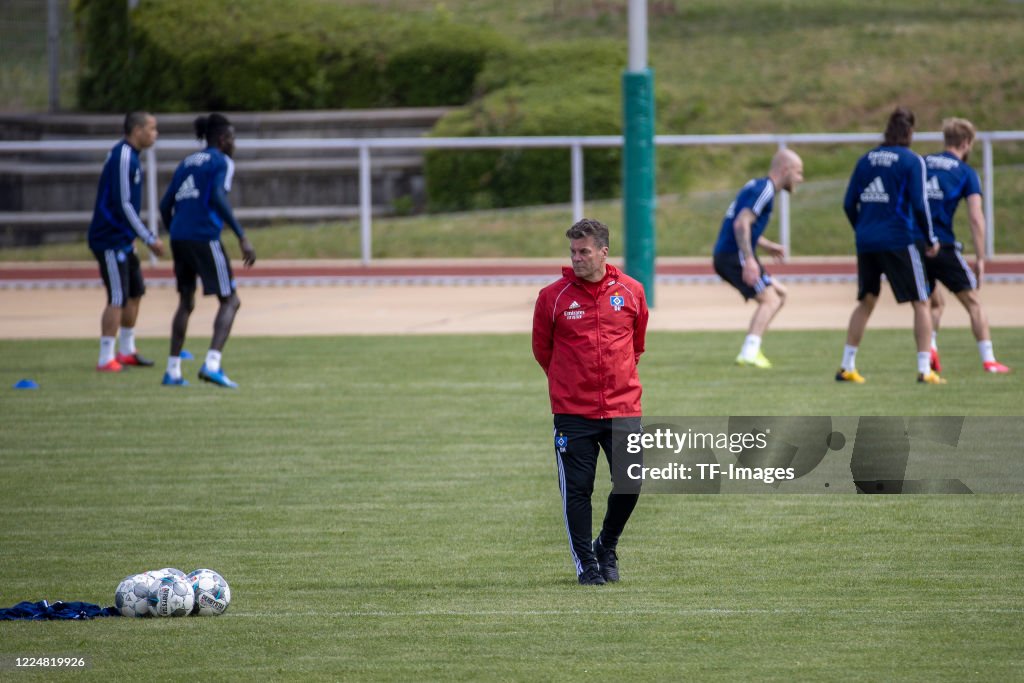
(589, 345)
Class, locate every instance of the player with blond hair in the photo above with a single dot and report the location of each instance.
(950, 180)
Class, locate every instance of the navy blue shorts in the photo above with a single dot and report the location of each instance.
(122, 275)
(729, 267)
(950, 268)
(903, 268)
(205, 260)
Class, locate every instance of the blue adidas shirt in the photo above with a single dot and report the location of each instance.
(115, 217)
(196, 200)
(949, 181)
(758, 195)
(885, 200)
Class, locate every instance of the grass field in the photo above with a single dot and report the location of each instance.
(686, 225)
(386, 508)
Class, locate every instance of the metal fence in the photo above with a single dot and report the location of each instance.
(574, 144)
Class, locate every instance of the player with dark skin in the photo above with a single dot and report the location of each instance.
(228, 305)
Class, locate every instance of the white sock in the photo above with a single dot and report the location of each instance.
(934, 345)
(106, 350)
(849, 357)
(751, 345)
(213, 360)
(174, 366)
(126, 341)
(986, 352)
(924, 362)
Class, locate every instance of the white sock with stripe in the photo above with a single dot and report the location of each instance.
(934, 345)
(106, 350)
(174, 366)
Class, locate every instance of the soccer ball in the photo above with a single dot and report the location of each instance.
(135, 595)
(213, 595)
(174, 597)
(160, 574)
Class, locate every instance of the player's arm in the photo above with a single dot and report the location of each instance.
(777, 251)
(123, 192)
(543, 333)
(850, 204)
(977, 218)
(167, 205)
(741, 228)
(220, 203)
(919, 202)
(640, 328)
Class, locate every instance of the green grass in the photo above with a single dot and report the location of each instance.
(386, 508)
(687, 225)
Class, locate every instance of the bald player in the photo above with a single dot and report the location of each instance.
(735, 256)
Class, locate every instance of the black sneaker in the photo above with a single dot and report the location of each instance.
(607, 560)
(591, 577)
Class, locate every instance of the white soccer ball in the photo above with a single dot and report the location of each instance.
(159, 574)
(174, 597)
(134, 596)
(212, 592)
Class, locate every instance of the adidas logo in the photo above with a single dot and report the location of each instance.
(188, 190)
(875, 192)
(933, 188)
(573, 305)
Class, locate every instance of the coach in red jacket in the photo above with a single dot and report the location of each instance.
(588, 334)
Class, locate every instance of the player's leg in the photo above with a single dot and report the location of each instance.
(979, 326)
(576, 451)
(113, 270)
(215, 271)
(906, 274)
(936, 305)
(620, 505)
(770, 300)
(222, 324)
(869, 285)
(185, 278)
(730, 268)
(127, 353)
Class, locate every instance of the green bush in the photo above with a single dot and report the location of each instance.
(273, 54)
(568, 89)
(481, 179)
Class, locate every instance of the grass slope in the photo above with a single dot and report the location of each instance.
(386, 509)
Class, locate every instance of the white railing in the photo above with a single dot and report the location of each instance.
(576, 144)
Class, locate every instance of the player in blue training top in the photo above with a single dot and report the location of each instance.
(950, 179)
(196, 208)
(115, 225)
(735, 256)
(885, 203)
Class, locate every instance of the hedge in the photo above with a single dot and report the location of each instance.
(571, 89)
(201, 55)
(274, 54)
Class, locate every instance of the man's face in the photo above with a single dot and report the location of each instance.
(794, 176)
(145, 135)
(587, 258)
(227, 141)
